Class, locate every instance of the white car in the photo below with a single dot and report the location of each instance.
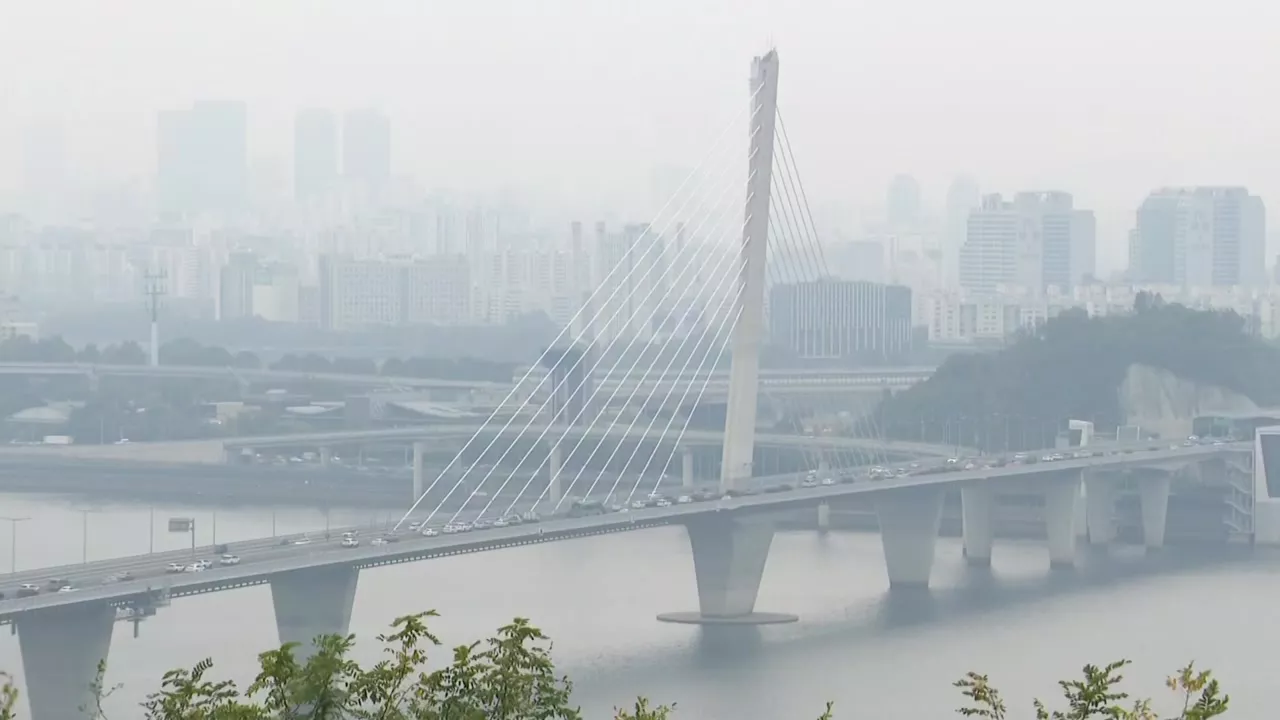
(828, 481)
(684, 500)
(66, 589)
(664, 503)
(500, 523)
(350, 542)
(204, 564)
(229, 560)
(637, 505)
(175, 568)
(194, 568)
(302, 541)
(430, 532)
(380, 541)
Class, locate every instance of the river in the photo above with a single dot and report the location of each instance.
(873, 655)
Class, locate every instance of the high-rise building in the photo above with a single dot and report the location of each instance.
(315, 155)
(1199, 237)
(963, 197)
(366, 150)
(1036, 241)
(842, 320)
(202, 159)
(904, 202)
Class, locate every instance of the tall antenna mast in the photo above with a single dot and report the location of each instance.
(154, 289)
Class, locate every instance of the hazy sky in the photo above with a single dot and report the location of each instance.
(579, 101)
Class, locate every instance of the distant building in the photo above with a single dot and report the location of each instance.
(366, 150)
(1034, 242)
(1199, 237)
(904, 202)
(202, 159)
(842, 320)
(365, 293)
(315, 156)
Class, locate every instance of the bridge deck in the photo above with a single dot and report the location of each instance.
(262, 558)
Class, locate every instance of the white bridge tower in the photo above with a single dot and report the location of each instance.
(744, 367)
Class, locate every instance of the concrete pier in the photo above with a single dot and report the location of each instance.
(977, 508)
(1153, 493)
(313, 602)
(686, 467)
(61, 648)
(729, 556)
(1061, 495)
(419, 470)
(1100, 504)
(555, 460)
(909, 521)
(824, 517)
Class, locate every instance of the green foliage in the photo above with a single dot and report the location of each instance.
(1097, 694)
(508, 677)
(8, 697)
(1071, 367)
(643, 711)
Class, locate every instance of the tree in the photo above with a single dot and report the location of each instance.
(1098, 695)
(511, 676)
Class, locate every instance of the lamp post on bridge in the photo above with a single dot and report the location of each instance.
(13, 540)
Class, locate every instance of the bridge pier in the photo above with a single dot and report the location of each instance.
(1061, 496)
(686, 467)
(419, 470)
(555, 460)
(1099, 500)
(1153, 494)
(729, 556)
(909, 521)
(311, 602)
(326, 456)
(61, 648)
(824, 517)
(977, 507)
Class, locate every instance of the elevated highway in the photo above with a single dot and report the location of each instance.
(809, 380)
(313, 582)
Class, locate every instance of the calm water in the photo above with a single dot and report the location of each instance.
(874, 656)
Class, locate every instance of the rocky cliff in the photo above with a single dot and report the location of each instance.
(1162, 403)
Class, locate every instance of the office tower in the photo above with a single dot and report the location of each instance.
(44, 172)
(366, 150)
(1199, 237)
(315, 156)
(962, 197)
(842, 319)
(235, 286)
(904, 202)
(1036, 241)
(202, 159)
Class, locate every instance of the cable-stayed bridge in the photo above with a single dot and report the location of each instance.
(680, 300)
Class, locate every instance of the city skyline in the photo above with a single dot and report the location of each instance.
(583, 138)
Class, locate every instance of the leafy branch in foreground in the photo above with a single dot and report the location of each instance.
(511, 676)
(1098, 695)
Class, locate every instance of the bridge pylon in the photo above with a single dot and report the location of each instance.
(729, 554)
(744, 366)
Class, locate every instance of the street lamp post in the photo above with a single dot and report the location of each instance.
(13, 540)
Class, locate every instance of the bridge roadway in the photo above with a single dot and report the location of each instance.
(690, 437)
(261, 559)
(810, 379)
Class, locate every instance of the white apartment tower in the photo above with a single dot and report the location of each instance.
(1199, 237)
(1036, 241)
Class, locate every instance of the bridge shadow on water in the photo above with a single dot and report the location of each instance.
(979, 591)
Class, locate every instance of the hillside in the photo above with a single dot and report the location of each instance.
(1075, 366)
